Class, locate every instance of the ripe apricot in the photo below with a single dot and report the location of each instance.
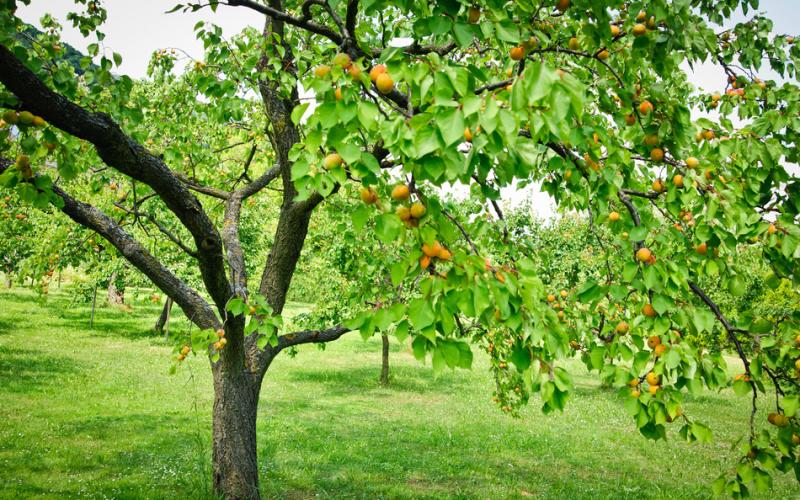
(649, 311)
(424, 262)
(467, 135)
(702, 248)
(603, 55)
(653, 341)
(678, 180)
(333, 160)
(645, 107)
(574, 44)
(644, 254)
(322, 70)
(430, 250)
(355, 71)
(342, 60)
(517, 53)
(403, 213)
(376, 71)
(418, 210)
(653, 378)
(622, 328)
(660, 350)
(657, 154)
(692, 162)
(613, 216)
(384, 83)
(639, 30)
(400, 192)
(562, 5)
(368, 196)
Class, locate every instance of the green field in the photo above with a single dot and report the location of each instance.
(93, 412)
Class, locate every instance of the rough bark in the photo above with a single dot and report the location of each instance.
(163, 318)
(120, 151)
(116, 296)
(234, 451)
(384, 359)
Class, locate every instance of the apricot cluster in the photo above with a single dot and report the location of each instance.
(435, 251)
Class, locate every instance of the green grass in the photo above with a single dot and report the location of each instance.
(94, 413)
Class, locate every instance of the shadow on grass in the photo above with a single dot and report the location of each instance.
(346, 381)
(19, 296)
(6, 327)
(120, 456)
(22, 370)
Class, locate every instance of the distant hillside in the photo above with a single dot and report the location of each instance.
(70, 53)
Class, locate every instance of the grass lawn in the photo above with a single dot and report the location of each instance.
(95, 413)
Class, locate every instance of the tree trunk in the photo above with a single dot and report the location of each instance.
(116, 296)
(163, 318)
(235, 467)
(385, 360)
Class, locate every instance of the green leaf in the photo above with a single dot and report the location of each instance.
(451, 125)
(521, 357)
(348, 152)
(388, 227)
(420, 348)
(398, 272)
(420, 313)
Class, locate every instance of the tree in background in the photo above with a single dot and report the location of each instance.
(587, 97)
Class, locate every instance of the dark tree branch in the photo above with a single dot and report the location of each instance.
(88, 216)
(281, 16)
(208, 190)
(310, 336)
(652, 195)
(120, 151)
(260, 183)
(350, 18)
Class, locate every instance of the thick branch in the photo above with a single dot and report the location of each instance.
(310, 336)
(192, 304)
(209, 190)
(120, 151)
(233, 245)
(350, 18)
(279, 15)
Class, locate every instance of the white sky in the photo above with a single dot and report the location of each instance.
(136, 28)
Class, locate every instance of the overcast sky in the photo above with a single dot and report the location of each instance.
(136, 28)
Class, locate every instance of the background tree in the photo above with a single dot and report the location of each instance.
(587, 97)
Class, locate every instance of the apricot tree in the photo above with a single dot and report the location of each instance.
(351, 99)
